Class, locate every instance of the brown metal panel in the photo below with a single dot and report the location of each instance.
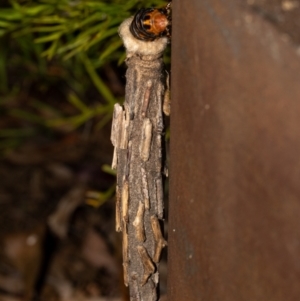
(234, 213)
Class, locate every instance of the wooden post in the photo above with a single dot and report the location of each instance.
(234, 212)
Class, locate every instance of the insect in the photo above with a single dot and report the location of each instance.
(137, 133)
(150, 24)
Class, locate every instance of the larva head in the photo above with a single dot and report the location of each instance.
(150, 24)
(141, 47)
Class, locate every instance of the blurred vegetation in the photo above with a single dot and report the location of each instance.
(60, 62)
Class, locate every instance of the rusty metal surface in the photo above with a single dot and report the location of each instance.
(234, 212)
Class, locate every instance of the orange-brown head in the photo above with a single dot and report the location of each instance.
(151, 23)
(155, 22)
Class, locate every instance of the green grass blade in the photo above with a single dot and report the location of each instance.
(76, 102)
(102, 88)
(111, 48)
(49, 38)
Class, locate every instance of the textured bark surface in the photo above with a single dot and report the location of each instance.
(137, 136)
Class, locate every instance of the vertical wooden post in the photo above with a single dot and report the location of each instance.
(234, 212)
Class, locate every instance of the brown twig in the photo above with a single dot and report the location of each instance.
(136, 135)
